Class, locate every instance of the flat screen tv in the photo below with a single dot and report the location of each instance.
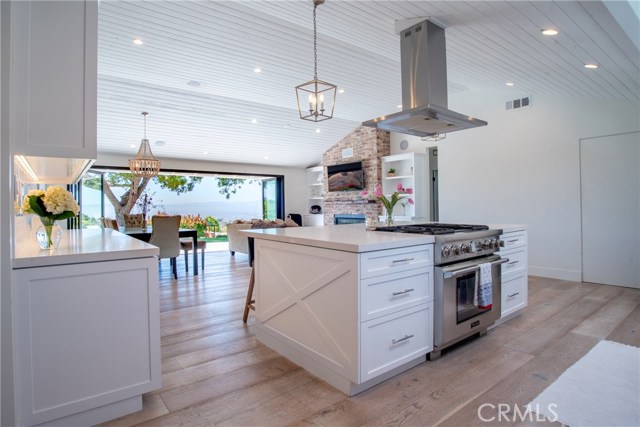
(345, 177)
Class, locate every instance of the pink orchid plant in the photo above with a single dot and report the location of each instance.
(397, 195)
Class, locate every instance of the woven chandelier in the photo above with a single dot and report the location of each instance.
(144, 165)
(317, 95)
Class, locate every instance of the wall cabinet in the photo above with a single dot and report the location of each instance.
(87, 340)
(353, 319)
(54, 47)
(514, 274)
(315, 196)
(409, 170)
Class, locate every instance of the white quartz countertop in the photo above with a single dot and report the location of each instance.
(81, 246)
(347, 237)
(508, 228)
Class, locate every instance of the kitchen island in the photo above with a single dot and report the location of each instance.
(353, 307)
(86, 324)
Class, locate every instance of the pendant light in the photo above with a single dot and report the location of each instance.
(317, 95)
(144, 165)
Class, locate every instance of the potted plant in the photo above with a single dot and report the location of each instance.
(391, 172)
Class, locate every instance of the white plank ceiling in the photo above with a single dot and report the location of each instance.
(195, 74)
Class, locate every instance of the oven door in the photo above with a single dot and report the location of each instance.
(458, 312)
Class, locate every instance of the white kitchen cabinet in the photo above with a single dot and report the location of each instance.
(86, 334)
(353, 319)
(315, 196)
(514, 274)
(410, 171)
(54, 47)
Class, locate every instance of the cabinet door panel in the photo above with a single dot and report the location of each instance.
(54, 78)
(87, 334)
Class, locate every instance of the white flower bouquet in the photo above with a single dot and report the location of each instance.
(53, 204)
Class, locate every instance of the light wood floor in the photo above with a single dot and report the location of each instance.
(216, 373)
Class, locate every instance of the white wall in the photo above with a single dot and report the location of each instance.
(523, 168)
(295, 188)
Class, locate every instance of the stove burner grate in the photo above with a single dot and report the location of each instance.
(434, 228)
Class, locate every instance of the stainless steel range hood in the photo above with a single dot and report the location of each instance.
(425, 110)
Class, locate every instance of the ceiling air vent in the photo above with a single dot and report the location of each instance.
(518, 103)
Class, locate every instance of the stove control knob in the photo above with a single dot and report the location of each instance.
(473, 247)
(446, 251)
(487, 244)
(499, 243)
(494, 243)
(455, 249)
(464, 248)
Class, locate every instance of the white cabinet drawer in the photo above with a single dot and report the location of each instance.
(390, 341)
(514, 293)
(517, 261)
(387, 294)
(390, 261)
(514, 240)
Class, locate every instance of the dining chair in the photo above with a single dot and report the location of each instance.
(164, 235)
(110, 223)
(186, 244)
(134, 220)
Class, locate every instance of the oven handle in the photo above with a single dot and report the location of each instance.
(449, 274)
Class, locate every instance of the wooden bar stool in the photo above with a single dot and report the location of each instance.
(249, 302)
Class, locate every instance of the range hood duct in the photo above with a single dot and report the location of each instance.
(425, 110)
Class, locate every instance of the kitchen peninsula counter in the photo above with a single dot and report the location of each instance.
(351, 306)
(96, 299)
(80, 246)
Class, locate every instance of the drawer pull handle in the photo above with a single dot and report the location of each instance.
(512, 241)
(513, 262)
(406, 291)
(513, 295)
(396, 261)
(406, 337)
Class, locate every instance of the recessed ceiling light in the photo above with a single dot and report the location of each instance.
(132, 145)
(266, 157)
(257, 70)
(549, 32)
(399, 105)
(137, 41)
(254, 121)
(318, 130)
(205, 152)
(193, 83)
(340, 90)
(591, 66)
(510, 83)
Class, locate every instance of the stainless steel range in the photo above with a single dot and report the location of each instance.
(464, 302)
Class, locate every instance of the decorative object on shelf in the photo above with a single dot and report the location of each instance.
(315, 209)
(404, 144)
(320, 94)
(391, 172)
(144, 165)
(53, 204)
(390, 203)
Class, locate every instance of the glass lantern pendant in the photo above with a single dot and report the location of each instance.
(316, 98)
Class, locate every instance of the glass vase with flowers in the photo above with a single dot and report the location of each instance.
(53, 204)
(401, 193)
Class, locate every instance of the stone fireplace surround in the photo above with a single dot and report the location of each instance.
(368, 145)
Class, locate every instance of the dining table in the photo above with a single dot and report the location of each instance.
(144, 234)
